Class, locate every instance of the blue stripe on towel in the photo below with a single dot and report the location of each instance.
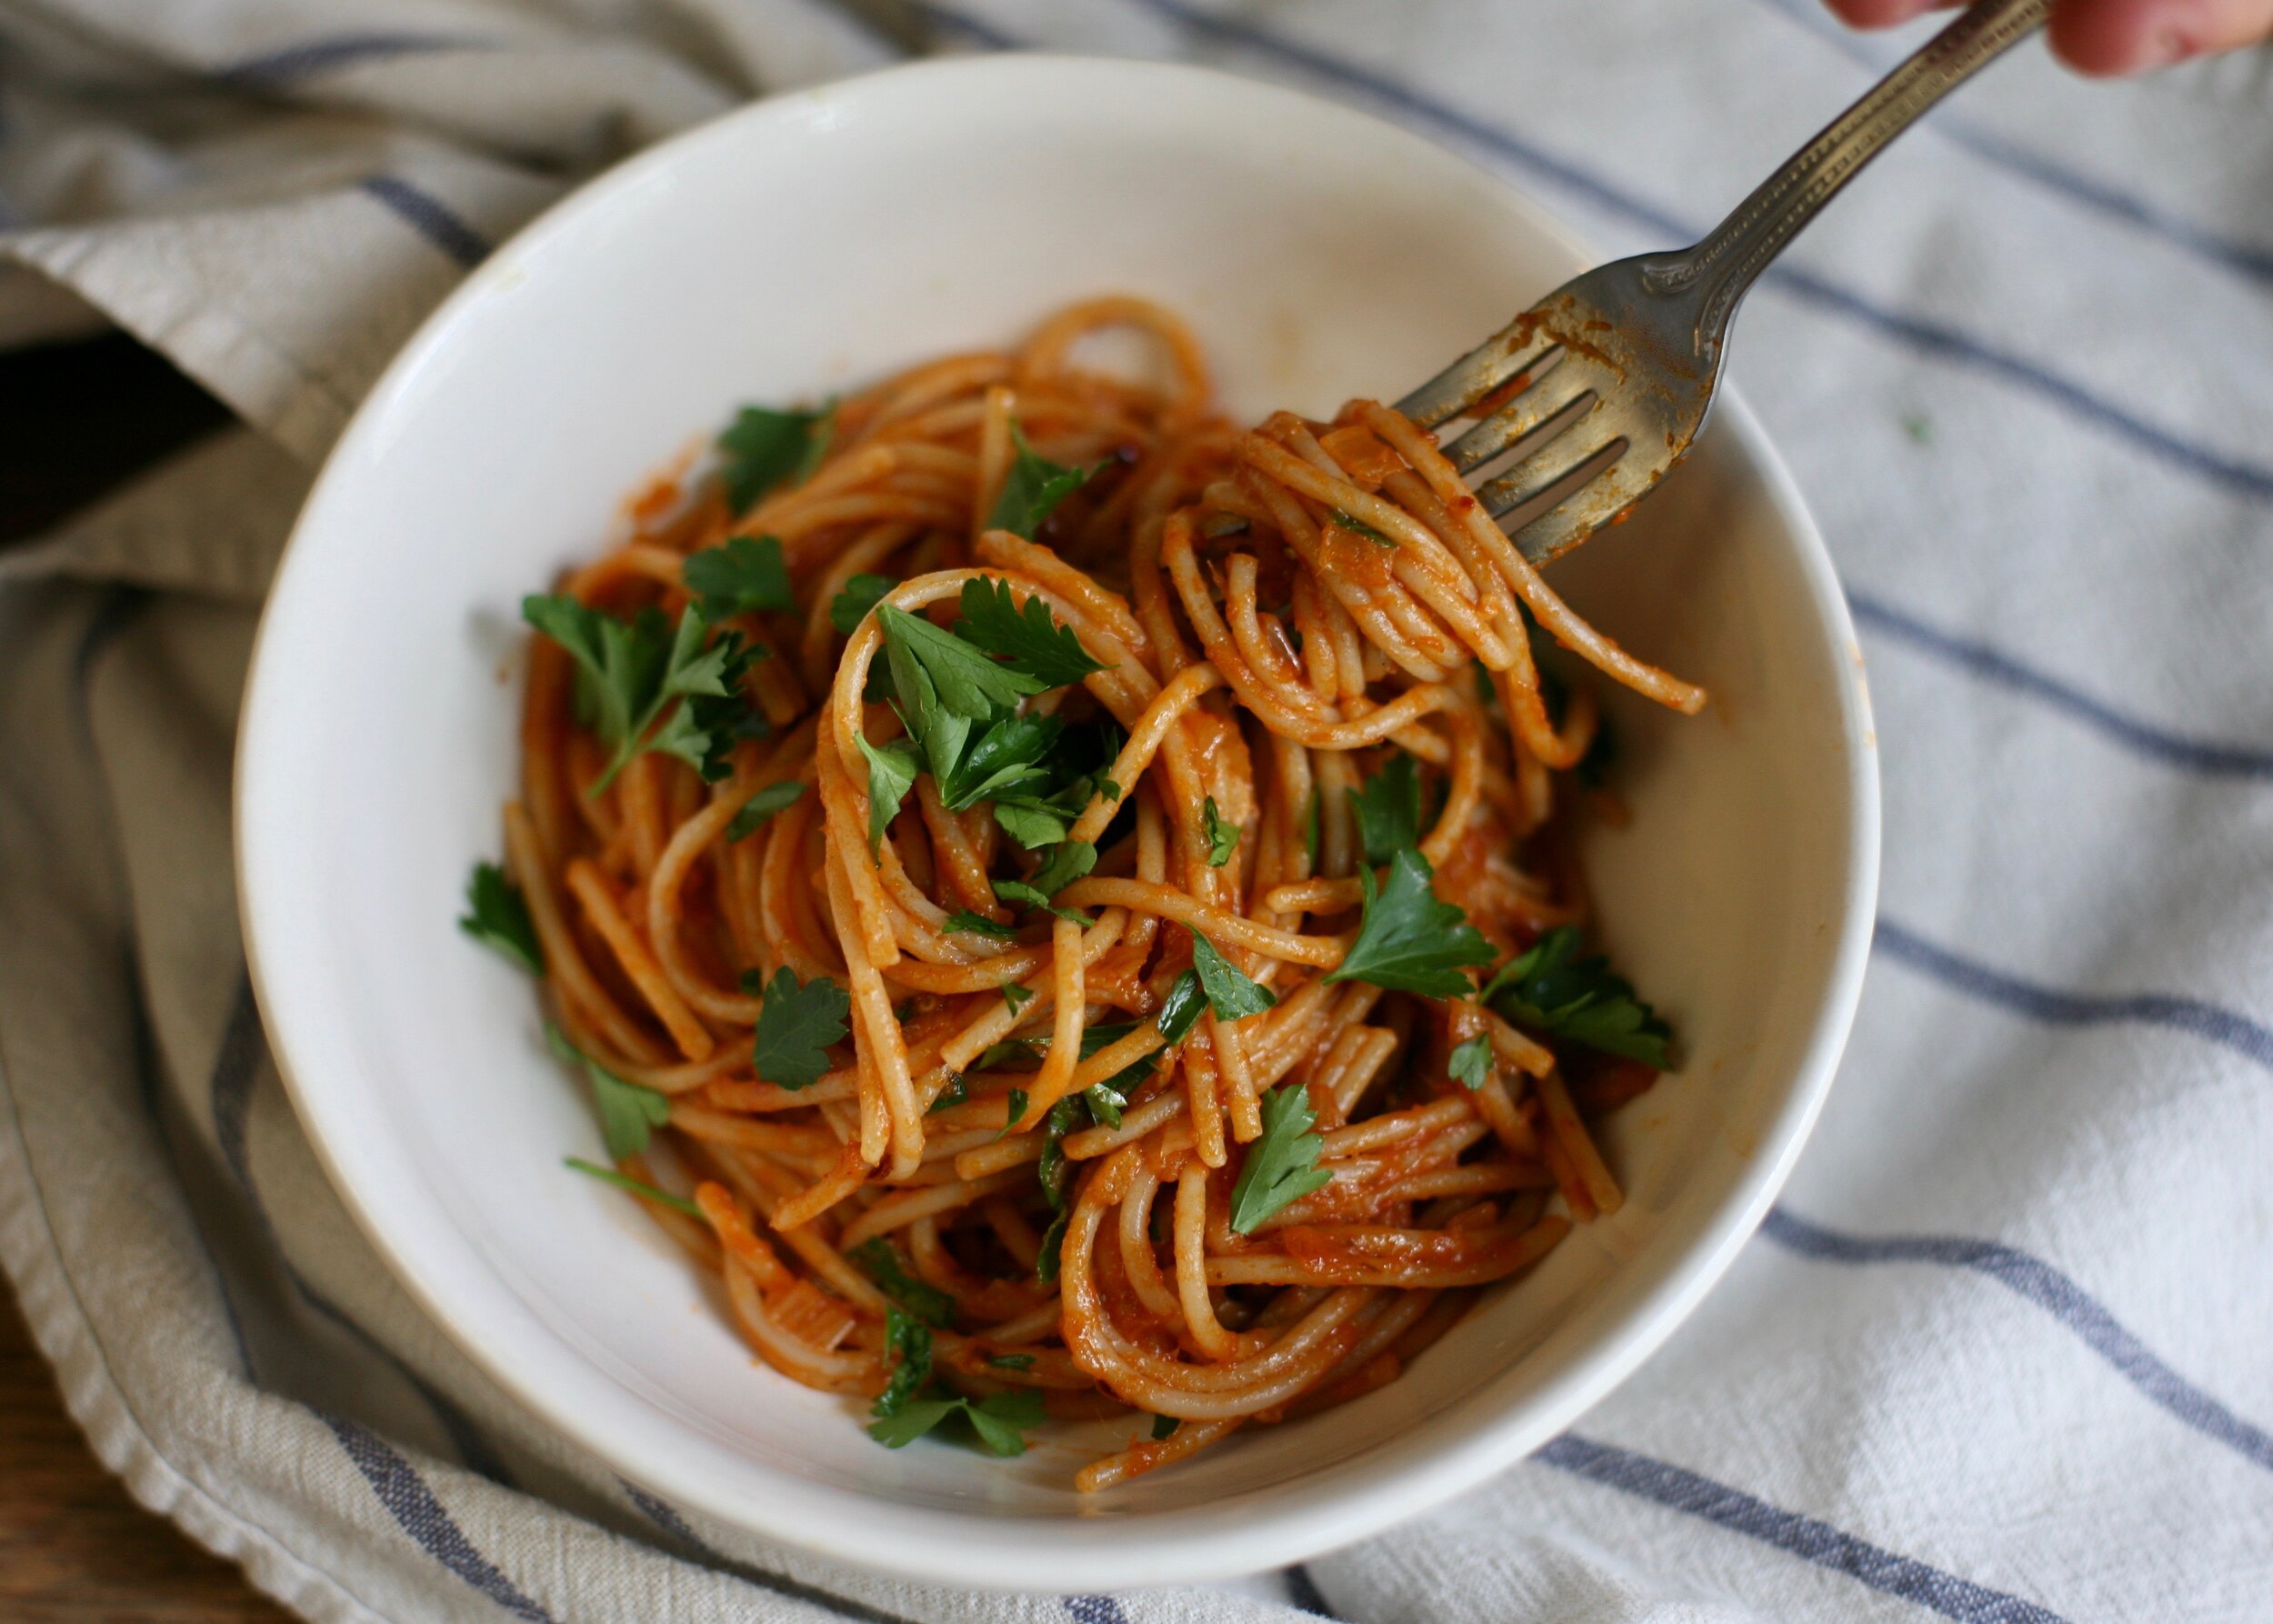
(2057, 1294)
(430, 217)
(2057, 1007)
(419, 1514)
(2144, 739)
(1803, 1537)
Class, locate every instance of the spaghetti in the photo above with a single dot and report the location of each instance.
(973, 843)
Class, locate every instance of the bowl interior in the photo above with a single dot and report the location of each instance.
(802, 246)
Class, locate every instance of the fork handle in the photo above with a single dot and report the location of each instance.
(1721, 270)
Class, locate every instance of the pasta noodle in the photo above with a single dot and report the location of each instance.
(1042, 1102)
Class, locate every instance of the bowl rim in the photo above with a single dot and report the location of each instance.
(1273, 1527)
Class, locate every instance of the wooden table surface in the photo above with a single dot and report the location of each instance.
(74, 1547)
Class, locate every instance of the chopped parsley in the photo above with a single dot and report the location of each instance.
(1281, 1166)
(1550, 990)
(1181, 1007)
(891, 770)
(1046, 1261)
(964, 919)
(763, 447)
(1011, 1361)
(954, 1093)
(1068, 862)
(740, 574)
(1471, 1063)
(1164, 1427)
(1016, 995)
(1033, 489)
(1029, 640)
(795, 1025)
(1054, 1170)
(773, 798)
(926, 1302)
(1223, 835)
(852, 601)
(999, 1422)
(1408, 940)
(628, 1113)
(1387, 810)
(907, 1346)
(1357, 526)
(932, 670)
(630, 671)
(636, 1187)
(1229, 993)
(497, 916)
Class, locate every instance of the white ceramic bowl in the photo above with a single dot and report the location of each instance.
(801, 245)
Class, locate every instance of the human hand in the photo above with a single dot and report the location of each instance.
(2107, 37)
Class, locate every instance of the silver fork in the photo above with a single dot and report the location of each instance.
(1597, 390)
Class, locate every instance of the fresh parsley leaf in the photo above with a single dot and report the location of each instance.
(1408, 939)
(1016, 995)
(1011, 1361)
(637, 1188)
(1387, 810)
(1032, 825)
(1097, 1039)
(620, 663)
(1068, 862)
(1046, 1261)
(954, 1093)
(1010, 1048)
(1006, 757)
(1015, 1108)
(852, 601)
(632, 669)
(741, 574)
(497, 916)
(1054, 1170)
(795, 1025)
(908, 1341)
(1282, 1166)
(964, 919)
(1357, 526)
(628, 1113)
(1026, 896)
(1471, 1063)
(764, 448)
(1105, 1104)
(1034, 487)
(708, 722)
(960, 676)
(1181, 1007)
(998, 1421)
(1164, 1427)
(773, 798)
(927, 1303)
(1027, 638)
(891, 770)
(1223, 836)
(1229, 993)
(1550, 990)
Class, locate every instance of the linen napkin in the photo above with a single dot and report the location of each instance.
(2000, 1354)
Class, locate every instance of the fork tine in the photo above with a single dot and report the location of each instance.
(1530, 411)
(1539, 474)
(1476, 374)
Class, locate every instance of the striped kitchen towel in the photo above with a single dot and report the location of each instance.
(2001, 1354)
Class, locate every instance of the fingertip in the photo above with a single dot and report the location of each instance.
(1878, 13)
(2106, 39)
